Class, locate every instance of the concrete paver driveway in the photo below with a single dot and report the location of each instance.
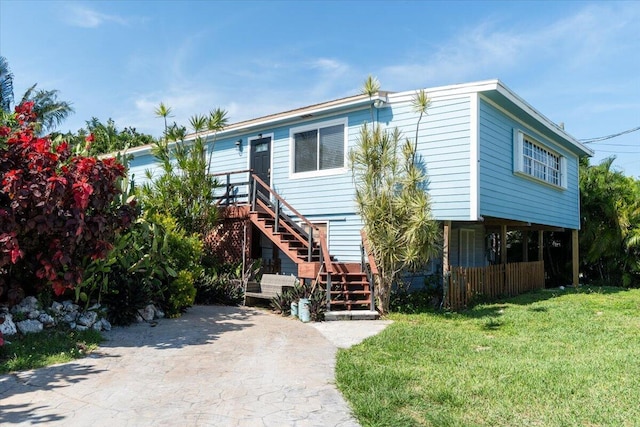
(215, 366)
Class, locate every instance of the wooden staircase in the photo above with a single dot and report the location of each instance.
(349, 286)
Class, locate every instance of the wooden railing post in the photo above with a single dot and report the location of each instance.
(328, 284)
(277, 218)
(310, 252)
(253, 192)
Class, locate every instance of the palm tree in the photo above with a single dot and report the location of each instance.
(610, 232)
(6, 85)
(50, 111)
(420, 103)
(370, 87)
(217, 120)
(164, 112)
(395, 208)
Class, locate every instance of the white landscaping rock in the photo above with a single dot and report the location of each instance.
(46, 319)
(27, 305)
(29, 326)
(87, 319)
(69, 306)
(69, 317)
(8, 327)
(57, 307)
(149, 313)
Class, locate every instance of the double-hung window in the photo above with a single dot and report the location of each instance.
(318, 149)
(535, 160)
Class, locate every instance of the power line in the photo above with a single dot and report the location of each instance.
(618, 152)
(604, 138)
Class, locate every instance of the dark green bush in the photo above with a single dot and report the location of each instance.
(154, 262)
(281, 303)
(218, 288)
(181, 294)
(180, 257)
(427, 298)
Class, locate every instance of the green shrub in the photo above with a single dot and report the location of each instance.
(181, 293)
(181, 257)
(144, 268)
(131, 276)
(214, 288)
(128, 294)
(184, 251)
(427, 298)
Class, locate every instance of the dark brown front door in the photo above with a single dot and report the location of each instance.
(261, 161)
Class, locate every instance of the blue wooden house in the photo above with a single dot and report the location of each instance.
(495, 164)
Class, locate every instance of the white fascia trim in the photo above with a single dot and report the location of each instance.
(474, 157)
(525, 106)
(551, 144)
(448, 91)
(271, 120)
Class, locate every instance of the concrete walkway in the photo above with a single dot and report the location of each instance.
(215, 366)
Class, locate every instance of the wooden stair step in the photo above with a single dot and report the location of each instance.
(351, 292)
(350, 302)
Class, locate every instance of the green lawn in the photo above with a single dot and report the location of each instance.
(550, 358)
(46, 348)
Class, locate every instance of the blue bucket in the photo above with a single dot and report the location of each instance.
(294, 309)
(303, 310)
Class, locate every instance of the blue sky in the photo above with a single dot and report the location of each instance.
(575, 62)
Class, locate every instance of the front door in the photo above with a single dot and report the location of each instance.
(260, 162)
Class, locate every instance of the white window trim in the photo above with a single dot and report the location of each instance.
(317, 173)
(518, 157)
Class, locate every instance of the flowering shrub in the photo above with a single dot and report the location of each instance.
(58, 211)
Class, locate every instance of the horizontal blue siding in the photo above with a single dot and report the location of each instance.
(443, 147)
(504, 194)
(322, 195)
(139, 166)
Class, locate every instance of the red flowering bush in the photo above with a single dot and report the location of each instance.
(57, 211)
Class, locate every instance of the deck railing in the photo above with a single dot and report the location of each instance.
(245, 188)
(466, 284)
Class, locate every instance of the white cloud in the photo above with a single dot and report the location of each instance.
(84, 17)
(492, 49)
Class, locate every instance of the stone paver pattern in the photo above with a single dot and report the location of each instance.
(214, 366)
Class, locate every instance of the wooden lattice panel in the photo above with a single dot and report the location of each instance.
(224, 242)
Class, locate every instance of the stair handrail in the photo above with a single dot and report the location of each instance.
(312, 227)
(281, 200)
